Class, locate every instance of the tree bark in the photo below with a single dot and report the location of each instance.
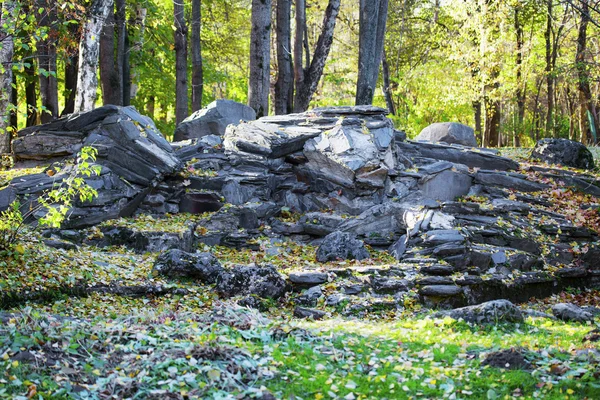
(300, 19)
(260, 57)
(14, 115)
(312, 75)
(30, 95)
(71, 65)
(586, 104)
(129, 71)
(122, 53)
(284, 87)
(549, 70)
(387, 90)
(520, 92)
(373, 17)
(89, 49)
(196, 47)
(109, 75)
(181, 84)
(47, 63)
(7, 21)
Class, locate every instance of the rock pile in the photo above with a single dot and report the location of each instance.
(351, 180)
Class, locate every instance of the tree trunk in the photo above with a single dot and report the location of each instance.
(300, 9)
(14, 115)
(549, 70)
(129, 77)
(30, 95)
(478, 124)
(121, 54)
(586, 104)
(387, 90)
(196, 45)
(47, 63)
(6, 59)
(150, 106)
(109, 76)
(284, 87)
(89, 48)
(181, 84)
(71, 64)
(260, 57)
(373, 17)
(312, 75)
(520, 92)
(492, 123)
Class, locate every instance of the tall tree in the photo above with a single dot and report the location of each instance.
(89, 49)
(7, 21)
(30, 94)
(197, 73)
(260, 57)
(307, 79)
(71, 65)
(109, 75)
(587, 109)
(549, 72)
(520, 90)
(284, 87)
(47, 61)
(373, 17)
(181, 84)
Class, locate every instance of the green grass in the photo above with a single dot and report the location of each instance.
(229, 352)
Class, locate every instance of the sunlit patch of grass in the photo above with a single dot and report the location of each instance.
(292, 256)
(173, 223)
(9, 174)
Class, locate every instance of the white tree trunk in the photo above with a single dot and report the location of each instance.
(6, 58)
(89, 50)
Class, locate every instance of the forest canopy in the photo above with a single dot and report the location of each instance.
(516, 71)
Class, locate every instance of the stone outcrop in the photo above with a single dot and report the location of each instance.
(340, 178)
(213, 119)
(563, 152)
(449, 132)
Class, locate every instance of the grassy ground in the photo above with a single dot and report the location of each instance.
(222, 351)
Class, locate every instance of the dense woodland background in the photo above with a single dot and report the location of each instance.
(515, 70)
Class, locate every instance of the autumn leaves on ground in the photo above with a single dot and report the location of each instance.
(72, 343)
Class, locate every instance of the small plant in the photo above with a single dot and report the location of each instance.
(56, 203)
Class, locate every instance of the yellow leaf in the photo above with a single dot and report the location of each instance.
(570, 391)
(20, 249)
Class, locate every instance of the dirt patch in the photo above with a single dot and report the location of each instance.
(508, 359)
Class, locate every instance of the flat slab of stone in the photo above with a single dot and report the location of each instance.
(440, 290)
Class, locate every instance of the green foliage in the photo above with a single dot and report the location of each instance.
(55, 204)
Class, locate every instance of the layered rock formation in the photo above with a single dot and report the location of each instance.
(345, 170)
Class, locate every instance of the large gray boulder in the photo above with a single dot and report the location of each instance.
(341, 246)
(176, 263)
(263, 282)
(267, 139)
(571, 312)
(213, 119)
(564, 152)
(490, 312)
(352, 155)
(449, 132)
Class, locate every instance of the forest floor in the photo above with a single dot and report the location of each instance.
(70, 342)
